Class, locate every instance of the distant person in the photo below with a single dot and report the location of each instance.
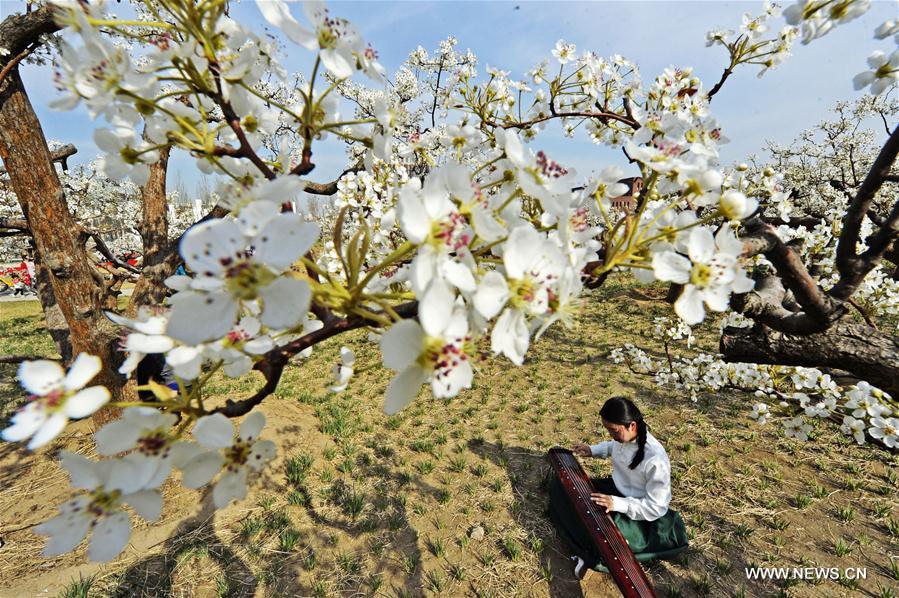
(18, 286)
(28, 265)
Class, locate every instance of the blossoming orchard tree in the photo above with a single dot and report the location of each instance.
(445, 234)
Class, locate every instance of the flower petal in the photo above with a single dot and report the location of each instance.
(671, 266)
(110, 536)
(66, 531)
(285, 302)
(200, 470)
(87, 401)
(278, 14)
(83, 472)
(689, 305)
(701, 245)
(49, 430)
(25, 422)
(205, 245)
(214, 431)
(116, 437)
(404, 388)
(147, 504)
(510, 336)
(284, 240)
(148, 343)
(231, 486)
(436, 307)
(252, 426)
(82, 371)
(186, 362)
(41, 376)
(261, 453)
(402, 344)
(199, 317)
(492, 294)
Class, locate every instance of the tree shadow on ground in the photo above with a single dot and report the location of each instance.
(154, 575)
(379, 483)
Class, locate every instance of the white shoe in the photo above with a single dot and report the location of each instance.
(579, 567)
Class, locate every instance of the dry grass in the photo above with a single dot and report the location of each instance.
(362, 504)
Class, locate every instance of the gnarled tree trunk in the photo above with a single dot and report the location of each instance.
(856, 348)
(79, 295)
(154, 229)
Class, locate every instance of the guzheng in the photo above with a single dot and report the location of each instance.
(608, 541)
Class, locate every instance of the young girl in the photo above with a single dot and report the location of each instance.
(636, 496)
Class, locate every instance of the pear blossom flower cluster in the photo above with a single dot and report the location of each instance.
(800, 396)
(135, 478)
(152, 447)
(749, 44)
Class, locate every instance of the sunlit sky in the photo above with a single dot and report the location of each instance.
(514, 36)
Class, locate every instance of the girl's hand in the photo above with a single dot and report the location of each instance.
(603, 500)
(582, 450)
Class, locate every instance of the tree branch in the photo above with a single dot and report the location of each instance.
(21, 358)
(820, 310)
(60, 154)
(272, 365)
(866, 353)
(853, 268)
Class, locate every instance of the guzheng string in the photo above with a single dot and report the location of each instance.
(614, 539)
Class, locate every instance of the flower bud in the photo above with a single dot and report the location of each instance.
(736, 206)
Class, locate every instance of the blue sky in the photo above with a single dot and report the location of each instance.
(516, 35)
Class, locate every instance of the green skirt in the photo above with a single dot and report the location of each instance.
(663, 538)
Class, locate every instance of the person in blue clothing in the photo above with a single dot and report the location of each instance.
(636, 495)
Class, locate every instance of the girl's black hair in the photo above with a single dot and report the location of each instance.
(621, 410)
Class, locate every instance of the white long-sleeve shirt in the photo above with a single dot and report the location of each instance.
(647, 487)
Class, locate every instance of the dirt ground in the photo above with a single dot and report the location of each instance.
(360, 504)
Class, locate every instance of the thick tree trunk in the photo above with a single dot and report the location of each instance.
(27, 159)
(856, 348)
(154, 232)
(56, 321)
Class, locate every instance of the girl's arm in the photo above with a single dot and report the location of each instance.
(658, 494)
(603, 449)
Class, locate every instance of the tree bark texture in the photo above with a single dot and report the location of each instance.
(23, 149)
(856, 348)
(154, 232)
(55, 320)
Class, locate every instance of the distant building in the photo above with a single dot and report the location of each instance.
(628, 202)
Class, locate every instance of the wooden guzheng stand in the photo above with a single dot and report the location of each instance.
(608, 541)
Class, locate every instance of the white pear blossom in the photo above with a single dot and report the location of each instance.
(435, 350)
(760, 412)
(709, 275)
(343, 371)
(797, 428)
(233, 266)
(148, 336)
(232, 454)
(736, 206)
(886, 430)
(55, 397)
(854, 427)
(109, 484)
(564, 51)
(148, 433)
(883, 74)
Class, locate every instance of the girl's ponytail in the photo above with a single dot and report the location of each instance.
(641, 443)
